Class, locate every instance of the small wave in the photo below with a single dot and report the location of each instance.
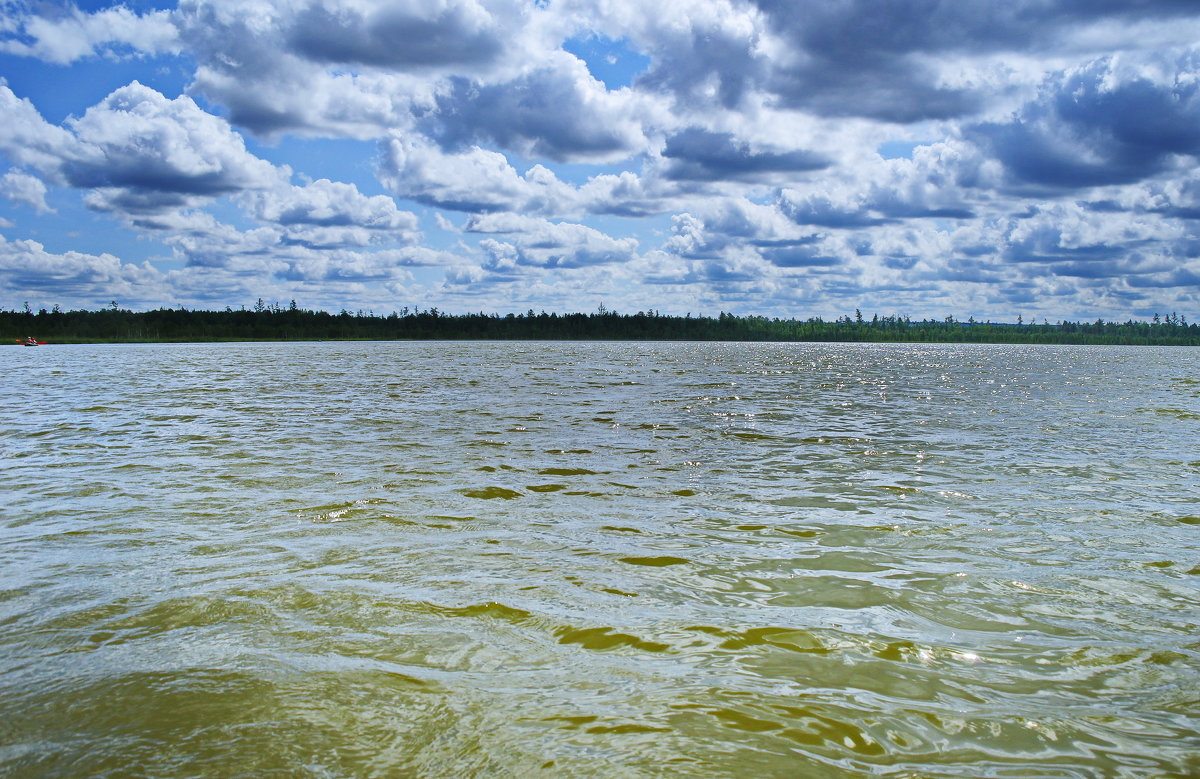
(545, 487)
(625, 729)
(791, 639)
(489, 610)
(661, 561)
(491, 493)
(342, 512)
(745, 435)
(1178, 413)
(604, 638)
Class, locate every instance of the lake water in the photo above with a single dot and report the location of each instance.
(600, 560)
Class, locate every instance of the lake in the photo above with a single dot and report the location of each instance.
(600, 560)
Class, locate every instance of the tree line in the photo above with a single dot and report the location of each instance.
(273, 322)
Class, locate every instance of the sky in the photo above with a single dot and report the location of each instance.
(1032, 158)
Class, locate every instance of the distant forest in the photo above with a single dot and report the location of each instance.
(265, 322)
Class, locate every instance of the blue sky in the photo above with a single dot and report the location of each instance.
(1033, 158)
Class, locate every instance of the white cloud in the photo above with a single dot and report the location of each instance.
(458, 33)
(554, 110)
(336, 67)
(330, 204)
(136, 151)
(542, 243)
(475, 181)
(137, 141)
(29, 140)
(71, 34)
(287, 95)
(1114, 120)
(27, 270)
(24, 188)
(628, 194)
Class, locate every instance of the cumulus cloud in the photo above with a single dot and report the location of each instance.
(556, 110)
(465, 73)
(245, 64)
(704, 53)
(867, 59)
(867, 246)
(136, 142)
(327, 214)
(207, 242)
(629, 195)
(736, 240)
(157, 162)
(757, 223)
(27, 139)
(702, 155)
(71, 34)
(939, 182)
(28, 270)
(1177, 197)
(900, 62)
(475, 180)
(23, 188)
(397, 35)
(357, 267)
(137, 153)
(692, 240)
(1115, 120)
(282, 255)
(294, 97)
(546, 244)
(1071, 233)
(337, 67)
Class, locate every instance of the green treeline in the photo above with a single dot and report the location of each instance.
(275, 323)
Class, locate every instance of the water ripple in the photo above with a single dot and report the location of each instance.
(600, 560)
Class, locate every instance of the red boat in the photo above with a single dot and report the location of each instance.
(30, 342)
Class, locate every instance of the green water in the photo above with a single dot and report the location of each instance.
(600, 560)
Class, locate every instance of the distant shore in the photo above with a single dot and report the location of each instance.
(275, 323)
